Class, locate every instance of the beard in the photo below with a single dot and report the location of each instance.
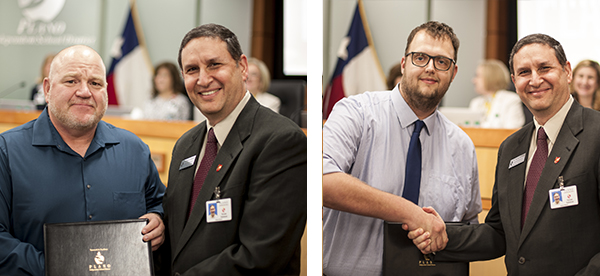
(75, 122)
(416, 98)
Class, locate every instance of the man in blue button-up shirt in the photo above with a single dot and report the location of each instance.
(69, 166)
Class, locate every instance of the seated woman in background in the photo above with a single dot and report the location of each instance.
(586, 83)
(258, 83)
(501, 108)
(169, 101)
(37, 92)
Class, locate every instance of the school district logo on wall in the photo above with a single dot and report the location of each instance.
(41, 25)
(43, 10)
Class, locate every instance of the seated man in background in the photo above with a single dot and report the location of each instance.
(69, 166)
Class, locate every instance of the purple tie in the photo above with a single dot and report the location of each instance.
(210, 152)
(535, 170)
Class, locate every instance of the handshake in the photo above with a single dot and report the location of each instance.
(428, 233)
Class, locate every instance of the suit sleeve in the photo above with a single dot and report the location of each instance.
(16, 257)
(593, 267)
(274, 213)
(477, 242)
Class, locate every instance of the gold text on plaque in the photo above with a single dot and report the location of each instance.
(99, 261)
(427, 261)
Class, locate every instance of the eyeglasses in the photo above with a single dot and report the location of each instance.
(441, 63)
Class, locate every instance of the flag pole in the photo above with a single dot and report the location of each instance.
(363, 17)
(140, 34)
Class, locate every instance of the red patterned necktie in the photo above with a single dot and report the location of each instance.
(535, 170)
(210, 152)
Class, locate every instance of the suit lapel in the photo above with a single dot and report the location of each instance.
(181, 186)
(516, 176)
(225, 161)
(565, 144)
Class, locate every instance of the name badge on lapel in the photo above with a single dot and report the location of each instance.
(563, 196)
(218, 209)
(516, 161)
(188, 162)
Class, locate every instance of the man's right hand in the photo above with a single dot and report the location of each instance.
(430, 235)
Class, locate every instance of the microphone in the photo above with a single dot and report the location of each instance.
(12, 89)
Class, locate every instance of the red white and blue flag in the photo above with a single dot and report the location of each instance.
(130, 74)
(357, 69)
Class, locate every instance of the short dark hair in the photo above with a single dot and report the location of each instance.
(395, 72)
(538, 39)
(213, 31)
(439, 31)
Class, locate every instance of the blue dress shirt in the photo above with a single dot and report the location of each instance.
(367, 136)
(42, 180)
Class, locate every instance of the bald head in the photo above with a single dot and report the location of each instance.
(76, 53)
(76, 90)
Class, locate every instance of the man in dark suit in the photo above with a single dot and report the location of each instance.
(537, 236)
(257, 179)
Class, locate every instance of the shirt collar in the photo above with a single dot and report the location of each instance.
(222, 128)
(553, 125)
(406, 116)
(45, 134)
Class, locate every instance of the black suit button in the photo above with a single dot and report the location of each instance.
(521, 260)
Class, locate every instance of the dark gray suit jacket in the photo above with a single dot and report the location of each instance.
(553, 241)
(263, 171)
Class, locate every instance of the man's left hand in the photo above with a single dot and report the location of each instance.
(154, 231)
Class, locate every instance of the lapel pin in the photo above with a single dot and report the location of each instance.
(217, 192)
(556, 160)
(221, 166)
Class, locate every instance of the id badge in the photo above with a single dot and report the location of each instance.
(218, 210)
(563, 197)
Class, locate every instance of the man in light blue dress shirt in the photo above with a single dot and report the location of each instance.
(365, 144)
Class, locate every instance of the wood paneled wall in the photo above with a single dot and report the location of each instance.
(501, 29)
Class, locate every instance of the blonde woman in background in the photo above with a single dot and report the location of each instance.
(586, 83)
(501, 108)
(258, 83)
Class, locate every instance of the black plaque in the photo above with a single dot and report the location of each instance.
(97, 248)
(402, 257)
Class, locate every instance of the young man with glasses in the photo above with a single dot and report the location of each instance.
(367, 144)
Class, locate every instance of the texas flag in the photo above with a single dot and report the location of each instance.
(130, 74)
(357, 69)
